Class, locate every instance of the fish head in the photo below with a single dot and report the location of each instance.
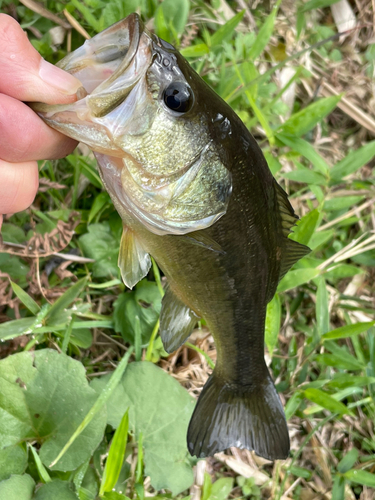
(145, 117)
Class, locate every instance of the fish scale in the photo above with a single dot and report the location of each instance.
(204, 204)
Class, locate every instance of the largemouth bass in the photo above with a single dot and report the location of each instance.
(194, 191)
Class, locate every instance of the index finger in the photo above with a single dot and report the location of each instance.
(25, 75)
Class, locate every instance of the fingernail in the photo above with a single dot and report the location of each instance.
(58, 78)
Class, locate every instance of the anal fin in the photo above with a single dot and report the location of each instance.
(176, 321)
(133, 260)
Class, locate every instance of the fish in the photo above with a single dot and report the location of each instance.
(194, 191)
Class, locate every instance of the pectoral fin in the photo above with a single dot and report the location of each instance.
(133, 260)
(176, 321)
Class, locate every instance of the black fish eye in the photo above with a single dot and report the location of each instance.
(179, 97)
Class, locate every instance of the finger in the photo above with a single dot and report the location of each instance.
(25, 75)
(18, 185)
(24, 136)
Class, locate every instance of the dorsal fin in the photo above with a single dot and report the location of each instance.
(292, 251)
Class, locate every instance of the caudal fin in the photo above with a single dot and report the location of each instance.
(248, 416)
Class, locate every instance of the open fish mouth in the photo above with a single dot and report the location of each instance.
(141, 118)
(110, 65)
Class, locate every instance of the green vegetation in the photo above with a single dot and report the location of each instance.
(93, 412)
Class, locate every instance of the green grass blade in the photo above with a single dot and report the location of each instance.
(322, 312)
(326, 401)
(361, 477)
(226, 31)
(353, 161)
(40, 467)
(305, 149)
(115, 456)
(65, 300)
(264, 34)
(25, 298)
(273, 319)
(348, 331)
(99, 403)
(303, 121)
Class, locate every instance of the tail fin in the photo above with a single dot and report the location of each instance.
(249, 417)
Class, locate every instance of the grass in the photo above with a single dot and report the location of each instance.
(307, 97)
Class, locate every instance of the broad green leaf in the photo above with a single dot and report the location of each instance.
(25, 298)
(273, 319)
(348, 461)
(63, 302)
(198, 50)
(297, 278)
(116, 456)
(17, 488)
(303, 121)
(322, 312)
(317, 4)
(13, 233)
(145, 303)
(342, 202)
(15, 267)
(45, 395)
(221, 488)
(56, 490)
(353, 161)
(13, 460)
(305, 149)
(264, 34)
(160, 409)
(306, 227)
(348, 330)
(100, 244)
(361, 477)
(225, 32)
(326, 401)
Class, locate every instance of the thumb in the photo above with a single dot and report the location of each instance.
(25, 75)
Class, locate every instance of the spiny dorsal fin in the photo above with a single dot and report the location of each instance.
(176, 321)
(292, 251)
(134, 262)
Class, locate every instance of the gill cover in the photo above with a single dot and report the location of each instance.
(141, 118)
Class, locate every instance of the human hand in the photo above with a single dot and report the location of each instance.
(24, 137)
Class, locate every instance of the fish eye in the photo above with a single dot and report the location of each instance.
(178, 96)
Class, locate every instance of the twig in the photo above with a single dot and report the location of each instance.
(36, 7)
(75, 24)
(351, 212)
(65, 256)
